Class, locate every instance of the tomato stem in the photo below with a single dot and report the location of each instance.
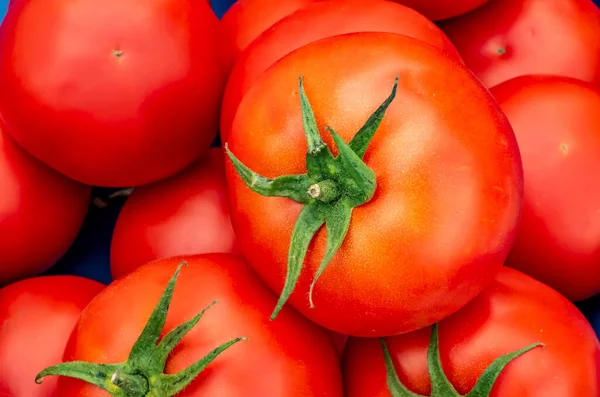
(142, 374)
(330, 189)
(325, 191)
(440, 385)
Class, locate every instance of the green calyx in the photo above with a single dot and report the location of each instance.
(440, 385)
(143, 372)
(331, 188)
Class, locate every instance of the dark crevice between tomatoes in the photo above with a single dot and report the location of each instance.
(143, 372)
(331, 188)
(440, 385)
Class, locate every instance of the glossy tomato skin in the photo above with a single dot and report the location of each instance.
(38, 316)
(510, 38)
(556, 122)
(112, 93)
(41, 212)
(289, 357)
(449, 182)
(318, 21)
(513, 312)
(183, 215)
(246, 20)
(442, 9)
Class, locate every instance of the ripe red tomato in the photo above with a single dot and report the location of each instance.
(448, 193)
(510, 38)
(41, 213)
(111, 92)
(442, 9)
(315, 22)
(512, 313)
(183, 215)
(288, 358)
(556, 122)
(246, 20)
(38, 315)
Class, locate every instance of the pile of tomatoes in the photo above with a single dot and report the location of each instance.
(304, 198)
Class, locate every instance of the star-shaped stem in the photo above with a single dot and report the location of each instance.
(331, 188)
(142, 375)
(440, 385)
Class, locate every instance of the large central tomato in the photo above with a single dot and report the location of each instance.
(423, 223)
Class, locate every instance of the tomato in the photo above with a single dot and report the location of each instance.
(418, 228)
(442, 9)
(186, 214)
(111, 92)
(40, 213)
(315, 22)
(510, 38)
(246, 20)
(38, 315)
(297, 357)
(513, 312)
(556, 122)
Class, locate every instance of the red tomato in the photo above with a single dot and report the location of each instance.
(512, 313)
(449, 182)
(442, 9)
(111, 92)
(38, 315)
(41, 213)
(556, 121)
(287, 358)
(245, 20)
(186, 214)
(315, 22)
(510, 38)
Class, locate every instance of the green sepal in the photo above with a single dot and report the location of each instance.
(294, 187)
(337, 223)
(99, 375)
(310, 220)
(143, 374)
(362, 139)
(440, 385)
(330, 189)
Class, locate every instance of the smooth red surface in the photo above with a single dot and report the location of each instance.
(449, 182)
(442, 9)
(557, 123)
(107, 119)
(183, 215)
(509, 38)
(290, 357)
(41, 213)
(246, 20)
(37, 317)
(318, 21)
(512, 313)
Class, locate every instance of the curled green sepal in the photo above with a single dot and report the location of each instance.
(440, 385)
(142, 375)
(329, 190)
